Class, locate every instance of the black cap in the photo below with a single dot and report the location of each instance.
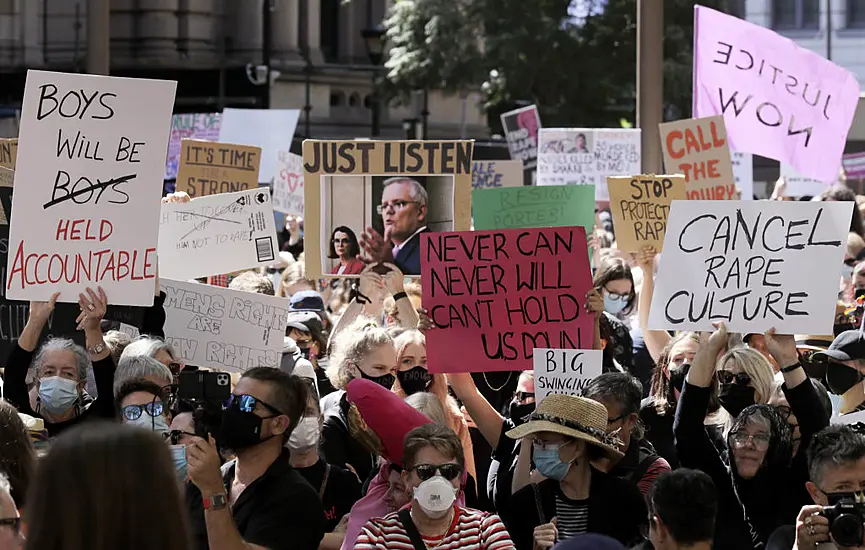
(847, 346)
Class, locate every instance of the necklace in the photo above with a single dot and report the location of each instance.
(443, 535)
(508, 379)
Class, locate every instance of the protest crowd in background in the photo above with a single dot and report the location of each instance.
(420, 351)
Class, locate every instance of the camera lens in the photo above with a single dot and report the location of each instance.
(847, 530)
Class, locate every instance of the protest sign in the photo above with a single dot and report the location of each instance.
(7, 177)
(586, 156)
(93, 156)
(8, 153)
(752, 264)
(850, 419)
(216, 234)
(640, 206)
(497, 295)
(565, 371)
(522, 207)
(854, 165)
(223, 329)
(698, 149)
(405, 188)
(491, 174)
(208, 167)
(270, 129)
(743, 173)
(802, 186)
(189, 126)
(779, 100)
(288, 185)
(521, 131)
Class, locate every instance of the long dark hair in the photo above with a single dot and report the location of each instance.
(353, 246)
(16, 452)
(615, 269)
(107, 486)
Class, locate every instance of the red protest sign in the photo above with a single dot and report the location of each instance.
(494, 296)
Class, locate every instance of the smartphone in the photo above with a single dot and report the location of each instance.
(204, 386)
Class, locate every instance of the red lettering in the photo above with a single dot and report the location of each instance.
(671, 146)
(703, 144)
(62, 229)
(17, 267)
(122, 265)
(108, 267)
(36, 270)
(75, 232)
(106, 228)
(716, 141)
(691, 142)
(713, 168)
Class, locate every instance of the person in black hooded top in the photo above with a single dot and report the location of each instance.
(760, 489)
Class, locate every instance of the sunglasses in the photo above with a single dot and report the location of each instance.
(448, 471)
(247, 403)
(760, 441)
(740, 378)
(808, 357)
(784, 412)
(174, 436)
(133, 412)
(12, 523)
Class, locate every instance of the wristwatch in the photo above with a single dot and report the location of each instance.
(215, 502)
(97, 349)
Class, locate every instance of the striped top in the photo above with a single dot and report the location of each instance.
(470, 530)
(572, 516)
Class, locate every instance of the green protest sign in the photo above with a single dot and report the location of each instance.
(526, 207)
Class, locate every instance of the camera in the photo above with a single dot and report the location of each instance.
(203, 393)
(846, 515)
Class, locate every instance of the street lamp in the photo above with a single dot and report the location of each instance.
(374, 39)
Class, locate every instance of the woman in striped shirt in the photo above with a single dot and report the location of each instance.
(434, 461)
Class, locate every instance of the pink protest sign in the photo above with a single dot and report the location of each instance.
(778, 100)
(495, 296)
(189, 126)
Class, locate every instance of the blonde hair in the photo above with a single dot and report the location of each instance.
(428, 405)
(756, 366)
(293, 274)
(389, 306)
(351, 346)
(855, 244)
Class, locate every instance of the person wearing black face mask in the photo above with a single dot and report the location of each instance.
(846, 363)
(304, 327)
(258, 499)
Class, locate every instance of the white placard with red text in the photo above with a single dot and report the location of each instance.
(288, 185)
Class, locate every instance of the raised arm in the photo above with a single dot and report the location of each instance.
(656, 340)
(485, 417)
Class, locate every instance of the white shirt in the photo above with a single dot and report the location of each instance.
(399, 247)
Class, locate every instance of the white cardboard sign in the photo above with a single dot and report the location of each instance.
(752, 264)
(799, 185)
(270, 129)
(587, 156)
(288, 185)
(223, 329)
(91, 157)
(565, 371)
(217, 234)
(743, 173)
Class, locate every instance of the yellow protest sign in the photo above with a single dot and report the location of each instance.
(8, 152)
(209, 167)
(640, 206)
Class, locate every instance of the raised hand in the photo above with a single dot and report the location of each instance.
(41, 311)
(93, 307)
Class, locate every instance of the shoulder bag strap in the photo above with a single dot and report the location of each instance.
(324, 482)
(411, 529)
(539, 503)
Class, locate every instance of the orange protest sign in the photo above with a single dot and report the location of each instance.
(640, 206)
(209, 167)
(698, 148)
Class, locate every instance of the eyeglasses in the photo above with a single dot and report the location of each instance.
(522, 396)
(616, 295)
(740, 378)
(396, 206)
(12, 523)
(343, 241)
(247, 403)
(175, 367)
(133, 412)
(616, 419)
(759, 441)
(808, 357)
(175, 435)
(784, 411)
(448, 471)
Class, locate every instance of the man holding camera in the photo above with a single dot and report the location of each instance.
(836, 468)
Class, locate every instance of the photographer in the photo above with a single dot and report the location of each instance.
(836, 466)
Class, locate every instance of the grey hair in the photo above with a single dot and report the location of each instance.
(417, 193)
(833, 446)
(5, 486)
(147, 347)
(429, 405)
(82, 360)
(351, 345)
(139, 366)
(250, 281)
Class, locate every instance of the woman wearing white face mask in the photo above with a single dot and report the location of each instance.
(434, 462)
(337, 488)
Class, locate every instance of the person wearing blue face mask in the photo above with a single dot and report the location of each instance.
(615, 283)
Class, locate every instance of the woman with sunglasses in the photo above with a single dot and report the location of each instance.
(434, 462)
(345, 248)
(744, 379)
(759, 488)
(140, 403)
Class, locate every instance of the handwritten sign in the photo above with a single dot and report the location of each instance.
(802, 186)
(743, 173)
(216, 234)
(586, 156)
(189, 126)
(498, 295)
(208, 168)
(288, 185)
(640, 206)
(93, 155)
(565, 371)
(491, 174)
(752, 264)
(698, 149)
(779, 100)
(521, 131)
(228, 330)
(854, 165)
(521, 207)
(8, 153)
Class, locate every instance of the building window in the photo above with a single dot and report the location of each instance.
(337, 99)
(736, 8)
(796, 14)
(330, 30)
(354, 100)
(856, 14)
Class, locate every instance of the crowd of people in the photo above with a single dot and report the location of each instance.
(685, 441)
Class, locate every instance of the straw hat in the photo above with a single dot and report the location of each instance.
(571, 416)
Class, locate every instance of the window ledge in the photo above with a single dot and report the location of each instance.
(800, 34)
(851, 32)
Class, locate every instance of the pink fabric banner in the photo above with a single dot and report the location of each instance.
(778, 100)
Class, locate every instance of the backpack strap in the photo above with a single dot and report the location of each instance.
(538, 502)
(411, 529)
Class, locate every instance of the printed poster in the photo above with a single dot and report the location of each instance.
(203, 126)
(288, 185)
(521, 131)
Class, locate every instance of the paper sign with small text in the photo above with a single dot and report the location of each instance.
(492, 174)
(587, 156)
(93, 155)
(799, 185)
(216, 234)
(210, 167)
(8, 152)
(743, 173)
(697, 148)
(640, 206)
(565, 371)
(223, 329)
(498, 295)
(753, 264)
(189, 126)
(521, 132)
(288, 185)
(529, 206)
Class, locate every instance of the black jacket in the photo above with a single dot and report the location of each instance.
(337, 445)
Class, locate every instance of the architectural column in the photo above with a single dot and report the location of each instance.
(313, 31)
(286, 17)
